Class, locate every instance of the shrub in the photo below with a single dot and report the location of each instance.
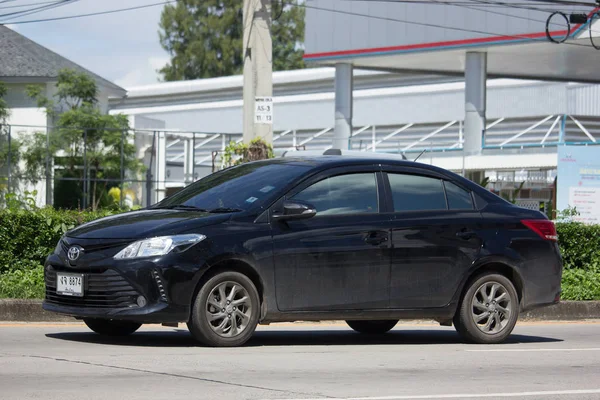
(581, 284)
(22, 284)
(579, 245)
(29, 234)
(27, 237)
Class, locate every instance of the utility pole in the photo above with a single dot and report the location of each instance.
(258, 71)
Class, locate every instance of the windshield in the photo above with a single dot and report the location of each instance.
(236, 189)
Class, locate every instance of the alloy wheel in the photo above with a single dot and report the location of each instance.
(228, 309)
(492, 307)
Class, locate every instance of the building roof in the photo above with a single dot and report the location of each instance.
(21, 57)
(285, 83)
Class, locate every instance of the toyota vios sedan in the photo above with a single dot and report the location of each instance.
(365, 240)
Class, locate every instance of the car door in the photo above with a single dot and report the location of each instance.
(434, 237)
(339, 259)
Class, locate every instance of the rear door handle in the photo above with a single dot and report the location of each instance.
(376, 238)
(466, 234)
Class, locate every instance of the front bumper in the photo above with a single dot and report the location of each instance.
(158, 290)
(152, 314)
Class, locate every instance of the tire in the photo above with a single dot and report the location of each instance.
(226, 311)
(496, 310)
(107, 327)
(378, 327)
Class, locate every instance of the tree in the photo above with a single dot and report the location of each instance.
(204, 38)
(15, 155)
(4, 112)
(83, 136)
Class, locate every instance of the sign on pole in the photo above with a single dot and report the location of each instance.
(263, 110)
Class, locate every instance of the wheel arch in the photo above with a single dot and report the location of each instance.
(495, 266)
(236, 265)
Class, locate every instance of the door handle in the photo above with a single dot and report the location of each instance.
(376, 238)
(466, 234)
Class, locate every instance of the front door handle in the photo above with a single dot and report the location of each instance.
(376, 238)
(466, 234)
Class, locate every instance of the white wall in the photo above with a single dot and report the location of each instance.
(143, 143)
(25, 119)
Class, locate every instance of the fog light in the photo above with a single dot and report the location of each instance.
(141, 301)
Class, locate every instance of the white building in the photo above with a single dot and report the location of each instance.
(397, 113)
(23, 63)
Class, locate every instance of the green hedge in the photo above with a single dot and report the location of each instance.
(28, 236)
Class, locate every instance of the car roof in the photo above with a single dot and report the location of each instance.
(319, 160)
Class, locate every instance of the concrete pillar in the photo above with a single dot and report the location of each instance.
(343, 106)
(475, 101)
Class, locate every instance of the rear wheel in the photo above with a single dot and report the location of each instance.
(377, 327)
(488, 311)
(226, 310)
(112, 328)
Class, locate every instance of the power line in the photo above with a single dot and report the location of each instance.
(93, 14)
(568, 3)
(22, 13)
(482, 3)
(546, 3)
(526, 7)
(426, 24)
(28, 4)
(511, 15)
(531, 5)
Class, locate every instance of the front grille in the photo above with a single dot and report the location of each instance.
(101, 290)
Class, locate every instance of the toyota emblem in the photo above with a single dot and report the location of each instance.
(73, 253)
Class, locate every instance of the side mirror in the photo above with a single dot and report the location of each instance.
(295, 210)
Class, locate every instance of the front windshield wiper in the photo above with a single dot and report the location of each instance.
(224, 210)
(182, 207)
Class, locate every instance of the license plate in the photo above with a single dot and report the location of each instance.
(69, 284)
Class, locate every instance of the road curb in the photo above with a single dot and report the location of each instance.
(565, 311)
(27, 311)
(31, 311)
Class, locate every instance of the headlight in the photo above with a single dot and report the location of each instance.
(159, 246)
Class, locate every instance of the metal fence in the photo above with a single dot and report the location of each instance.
(83, 168)
(88, 168)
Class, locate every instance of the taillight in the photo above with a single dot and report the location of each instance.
(542, 227)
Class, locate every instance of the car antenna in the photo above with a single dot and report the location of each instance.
(419, 156)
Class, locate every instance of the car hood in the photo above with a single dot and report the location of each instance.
(146, 223)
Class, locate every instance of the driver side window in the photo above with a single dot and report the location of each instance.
(343, 194)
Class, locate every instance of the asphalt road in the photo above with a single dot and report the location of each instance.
(298, 361)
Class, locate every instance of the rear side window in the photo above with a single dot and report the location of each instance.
(458, 198)
(417, 193)
(343, 194)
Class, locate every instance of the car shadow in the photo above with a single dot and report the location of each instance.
(301, 337)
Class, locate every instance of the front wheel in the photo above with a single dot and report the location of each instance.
(226, 310)
(488, 311)
(372, 327)
(111, 328)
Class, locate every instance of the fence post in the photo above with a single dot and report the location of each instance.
(194, 158)
(8, 159)
(49, 182)
(149, 173)
(373, 138)
(85, 180)
(122, 168)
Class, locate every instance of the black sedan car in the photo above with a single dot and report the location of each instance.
(365, 240)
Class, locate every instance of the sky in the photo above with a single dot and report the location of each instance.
(122, 47)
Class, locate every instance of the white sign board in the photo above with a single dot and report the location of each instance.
(263, 110)
(587, 202)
